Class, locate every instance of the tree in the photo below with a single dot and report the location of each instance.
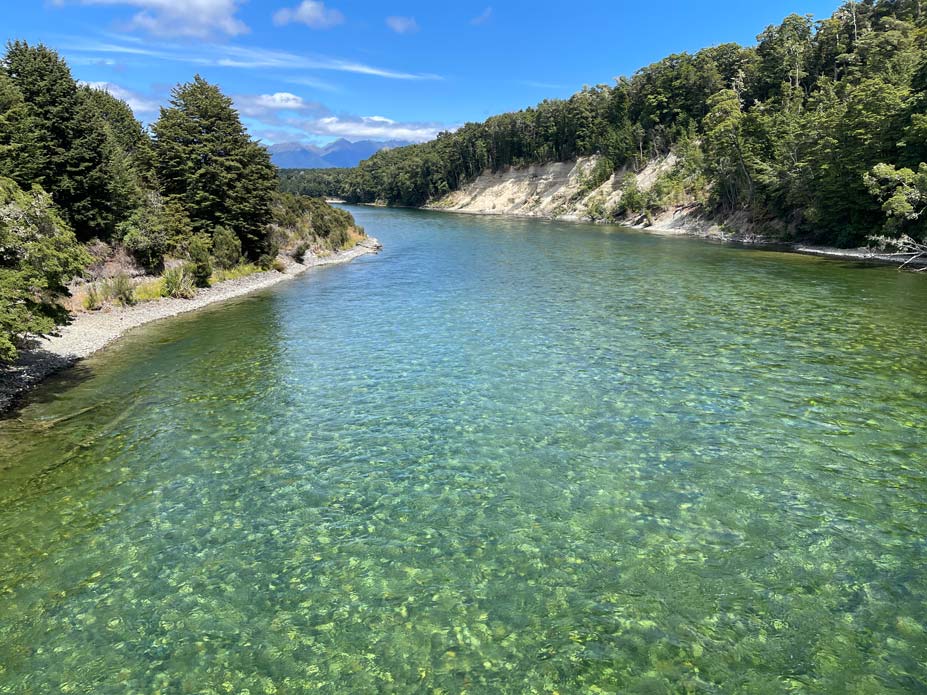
(21, 155)
(39, 254)
(903, 195)
(77, 168)
(206, 161)
(725, 149)
(226, 248)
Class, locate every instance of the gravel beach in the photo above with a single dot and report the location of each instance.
(91, 332)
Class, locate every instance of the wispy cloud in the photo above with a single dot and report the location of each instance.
(140, 105)
(402, 25)
(313, 14)
(313, 82)
(183, 18)
(482, 17)
(231, 56)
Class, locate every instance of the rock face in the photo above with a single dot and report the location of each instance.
(559, 190)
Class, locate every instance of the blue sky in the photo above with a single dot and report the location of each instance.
(303, 70)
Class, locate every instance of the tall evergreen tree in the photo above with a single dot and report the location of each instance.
(21, 153)
(206, 160)
(77, 164)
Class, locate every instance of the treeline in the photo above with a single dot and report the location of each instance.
(315, 183)
(77, 167)
(819, 130)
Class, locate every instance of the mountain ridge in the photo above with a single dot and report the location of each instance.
(341, 153)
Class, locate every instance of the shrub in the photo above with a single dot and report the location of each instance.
(299, 254)
(338, 238)
(120, 290)
(279, 265)
(145, 238)
(633, 200)
(177, 282)
(226, 248)
(39, 254)
(200, 263)
(601, 172)
(93, 300)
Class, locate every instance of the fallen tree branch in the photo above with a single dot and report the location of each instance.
(901, 247)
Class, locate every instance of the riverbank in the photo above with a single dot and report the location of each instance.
(89, 333)
(561, 191)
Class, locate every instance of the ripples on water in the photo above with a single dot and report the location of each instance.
(502, 456)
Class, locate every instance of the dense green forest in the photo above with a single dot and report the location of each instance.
(818, 132)
(81, 179)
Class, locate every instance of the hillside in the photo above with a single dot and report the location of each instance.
(817, 133)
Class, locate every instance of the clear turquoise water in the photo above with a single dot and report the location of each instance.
(501, 457)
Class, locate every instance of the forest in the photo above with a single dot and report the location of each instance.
(818, 133)
(81, 181)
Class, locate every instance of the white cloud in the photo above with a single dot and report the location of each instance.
(258, 105)
(186, 18)
(369, 127)
(312, 14)
(482, 17)
(402, 25)
(138, 104)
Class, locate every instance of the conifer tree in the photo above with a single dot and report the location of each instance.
(78, 155)
(21, 154)
(206, 161)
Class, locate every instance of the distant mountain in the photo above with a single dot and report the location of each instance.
(295, 155)
(341, 153)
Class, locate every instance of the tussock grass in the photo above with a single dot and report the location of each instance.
(236, 273)
(150, 291)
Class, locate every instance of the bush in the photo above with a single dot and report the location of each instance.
(299, 254)
(93, 300)
(146, 239)
(120, 290)
(279, 265)
(226, 248)
(633, 200)
(200, 263)
(39, 254)
(177, 282)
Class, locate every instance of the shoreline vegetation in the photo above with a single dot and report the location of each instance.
(816, 135)
(90, 332)
(121, 224)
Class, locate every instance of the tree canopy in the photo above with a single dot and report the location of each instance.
(786, 130)
(76, 165)
(206, 161)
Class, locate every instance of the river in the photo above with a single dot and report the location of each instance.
(503, 456)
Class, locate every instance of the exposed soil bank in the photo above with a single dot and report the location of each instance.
(91, 332)
(557, 191)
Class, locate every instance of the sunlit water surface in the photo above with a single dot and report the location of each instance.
(500, 457)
